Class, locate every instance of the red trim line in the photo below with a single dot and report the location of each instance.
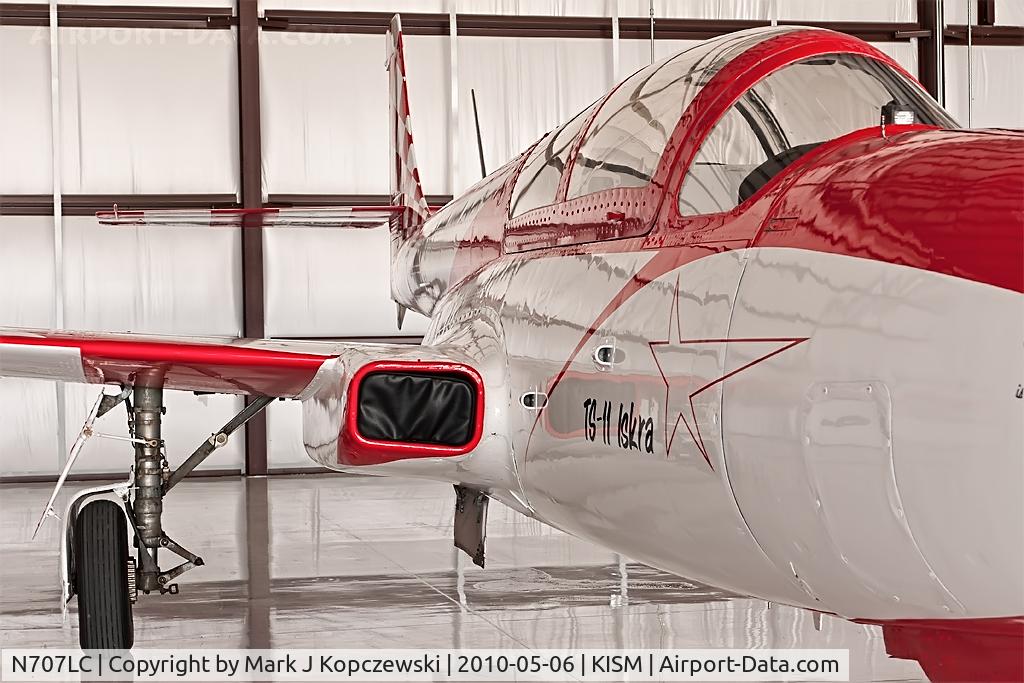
(959, 650)
(174, 352)
(220, 368)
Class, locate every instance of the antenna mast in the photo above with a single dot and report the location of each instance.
(479, 138)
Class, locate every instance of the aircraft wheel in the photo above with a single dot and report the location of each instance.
(101, 577)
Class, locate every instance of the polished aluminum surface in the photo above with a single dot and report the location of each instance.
(339, 561)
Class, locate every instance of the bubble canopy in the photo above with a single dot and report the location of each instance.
(789, 113)
(623, 141)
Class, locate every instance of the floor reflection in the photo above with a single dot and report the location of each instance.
(347, 562)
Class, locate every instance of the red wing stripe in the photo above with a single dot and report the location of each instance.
(157, 352)
(219, 368)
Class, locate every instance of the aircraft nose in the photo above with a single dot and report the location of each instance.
(968, 205)
(963, 483)
(950, 202)
(933, 353)
(977, 184)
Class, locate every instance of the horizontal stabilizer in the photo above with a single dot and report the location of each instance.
(313, 217)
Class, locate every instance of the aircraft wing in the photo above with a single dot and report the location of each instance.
(319, 373)
(253, 367)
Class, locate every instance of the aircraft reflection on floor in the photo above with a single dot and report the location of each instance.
(350, 562)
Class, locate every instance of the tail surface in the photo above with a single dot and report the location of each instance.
(408, 209)
(406, 190)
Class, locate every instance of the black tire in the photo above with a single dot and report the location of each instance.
(101, 577)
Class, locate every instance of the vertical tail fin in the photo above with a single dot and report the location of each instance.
(406, 189)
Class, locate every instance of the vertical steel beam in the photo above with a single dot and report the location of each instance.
(453, 108)
(257, 512)
(970, 65)
(615, 44)
(986, 12)
(257, 562)
(253, 320)
(930, 55)
(56, 166)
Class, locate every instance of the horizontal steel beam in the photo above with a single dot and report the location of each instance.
(117, 16)
(872, 31)
(1013, 36)
(305, 21)
(89, 204)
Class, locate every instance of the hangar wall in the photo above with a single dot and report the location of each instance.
(152, 108)
(142, 112)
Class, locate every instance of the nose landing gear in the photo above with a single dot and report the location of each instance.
(95, 562)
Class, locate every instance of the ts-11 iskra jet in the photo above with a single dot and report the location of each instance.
(754, 317)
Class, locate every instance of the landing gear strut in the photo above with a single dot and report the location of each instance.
(95, 554)
(146, 510)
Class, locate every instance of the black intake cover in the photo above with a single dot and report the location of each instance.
(410, 407)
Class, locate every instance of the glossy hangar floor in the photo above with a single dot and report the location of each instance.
(338, 561)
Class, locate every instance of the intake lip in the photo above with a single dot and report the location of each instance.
(436, 410)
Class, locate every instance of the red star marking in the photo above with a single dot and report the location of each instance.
(674, 343)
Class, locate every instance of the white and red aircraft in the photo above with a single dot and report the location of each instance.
(755, 317)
